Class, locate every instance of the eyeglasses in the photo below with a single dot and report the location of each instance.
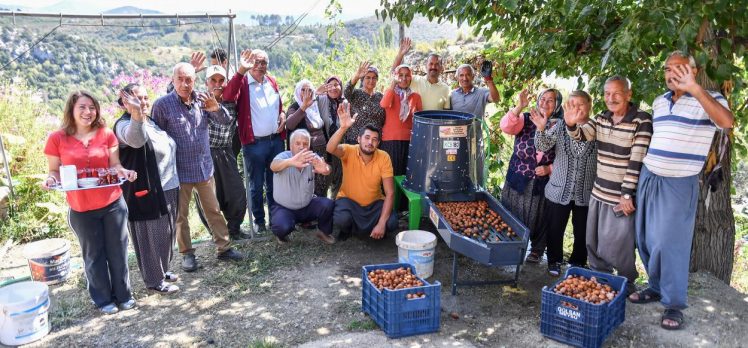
(261, 62)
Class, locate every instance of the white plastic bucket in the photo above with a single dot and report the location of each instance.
(417, 249)
(23, 312)
(49, 260)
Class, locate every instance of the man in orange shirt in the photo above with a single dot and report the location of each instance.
(361, 208)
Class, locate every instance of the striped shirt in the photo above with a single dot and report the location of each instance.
(620, 150)
(682, 136)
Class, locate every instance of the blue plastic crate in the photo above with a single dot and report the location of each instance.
(579, 323)
(395, 314)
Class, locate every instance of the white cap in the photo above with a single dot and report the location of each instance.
(215, 69)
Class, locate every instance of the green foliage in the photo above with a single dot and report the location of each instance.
(24, 126)
(342, 63)
(602, 38)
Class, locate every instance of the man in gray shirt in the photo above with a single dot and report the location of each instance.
(471, 99)
(293, 190)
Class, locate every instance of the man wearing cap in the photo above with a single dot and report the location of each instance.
(183, 114)
(230, 192)
(434, 93)
(262, 124)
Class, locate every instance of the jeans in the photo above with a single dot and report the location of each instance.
(257, 159)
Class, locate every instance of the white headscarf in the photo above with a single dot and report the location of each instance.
(403, 94)
(312, 112)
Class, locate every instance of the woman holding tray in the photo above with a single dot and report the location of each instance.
(97, 216)
(152, 198)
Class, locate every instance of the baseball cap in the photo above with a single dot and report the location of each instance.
(215, 69)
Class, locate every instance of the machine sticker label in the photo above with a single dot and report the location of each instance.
(434, 218)
(451, 158)
(451, 144)
(451, 151)
(453, 131)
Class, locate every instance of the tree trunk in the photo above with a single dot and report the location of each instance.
(714, 232)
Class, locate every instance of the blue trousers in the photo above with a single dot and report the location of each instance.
(665, 217)
(257, 158)
(283, 220)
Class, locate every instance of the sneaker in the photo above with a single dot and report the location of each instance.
(189, 263)
(533, 257)
(171, 277)
(165, 288)
(129, 304)
(554, 269)
(231, 255)
(239, 235)
(325, 238)
(109, 309)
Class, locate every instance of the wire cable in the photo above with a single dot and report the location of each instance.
(30, 47)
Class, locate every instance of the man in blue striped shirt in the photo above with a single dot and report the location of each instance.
(183, 115)
(684, 121)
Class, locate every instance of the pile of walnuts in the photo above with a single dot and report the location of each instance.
(474, 219)
(400, 278)
(588, 290)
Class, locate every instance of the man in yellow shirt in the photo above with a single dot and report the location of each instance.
(360, 207)
(434, 93)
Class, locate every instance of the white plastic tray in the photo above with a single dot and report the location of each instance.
(59, 188)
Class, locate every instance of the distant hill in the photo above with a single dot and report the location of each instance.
(130, 10)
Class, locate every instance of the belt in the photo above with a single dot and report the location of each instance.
(267, 137)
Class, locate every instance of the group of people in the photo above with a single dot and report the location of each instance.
(628, 179)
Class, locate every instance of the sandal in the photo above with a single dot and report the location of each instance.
(165, 288)
(533, 257)
(171, 277)
(646, 296)
(674, 315)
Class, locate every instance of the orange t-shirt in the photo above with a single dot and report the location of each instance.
(362, 182)
(71, 151)
(394, 129)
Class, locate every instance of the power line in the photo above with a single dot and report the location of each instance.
(30, 47)
(291, 28)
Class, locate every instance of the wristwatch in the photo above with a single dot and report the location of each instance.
(626, 196)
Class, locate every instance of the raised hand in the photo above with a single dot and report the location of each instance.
(247, 61)
(319, 164)
(538, 119)
(523, 100)
(573, 114)
(302, 159)
(685, 79)
(132, 105)
(307, 99)
(405, 45)
(209, 102)
(197, 59)
(344, 115)
(322, 89)
(363, 69)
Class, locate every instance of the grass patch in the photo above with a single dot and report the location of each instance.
(68, 310)
(264, 343)
(362, 325)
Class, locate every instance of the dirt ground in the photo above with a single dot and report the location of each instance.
(308, 294)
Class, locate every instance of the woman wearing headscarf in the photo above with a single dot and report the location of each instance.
(152, 198)
(305, 113)
(330, 96)
(570, 184)
(364, 101)
(399, 104)
(529, 168)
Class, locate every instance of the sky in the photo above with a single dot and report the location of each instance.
(351, 8)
